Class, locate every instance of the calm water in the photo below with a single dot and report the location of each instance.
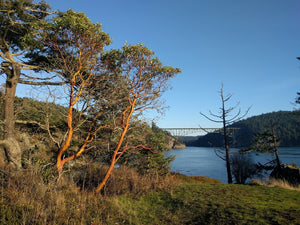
(202, 161)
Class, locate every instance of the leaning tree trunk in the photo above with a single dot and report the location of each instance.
(275, 148)
(11, 145)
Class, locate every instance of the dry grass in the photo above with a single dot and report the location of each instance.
(25, 198)
(129, 198)
(283, 184)
(271, 182)
(122, 181)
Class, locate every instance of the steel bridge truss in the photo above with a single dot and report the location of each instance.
(177, 132)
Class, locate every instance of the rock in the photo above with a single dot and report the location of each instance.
(289, 173)
(174, 143)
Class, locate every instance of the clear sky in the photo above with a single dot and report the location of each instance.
(249, 45)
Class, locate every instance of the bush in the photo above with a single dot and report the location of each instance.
(124, 180)
(242, 167)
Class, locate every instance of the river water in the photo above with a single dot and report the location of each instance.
(202, 161)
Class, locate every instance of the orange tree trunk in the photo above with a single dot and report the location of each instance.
(121, 139)
(59, 161)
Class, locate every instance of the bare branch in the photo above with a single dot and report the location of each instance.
(216, 121)
(40, 83)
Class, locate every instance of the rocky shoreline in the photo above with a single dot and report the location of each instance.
(174, 143)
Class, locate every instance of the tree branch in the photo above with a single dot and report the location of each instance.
(41, 83)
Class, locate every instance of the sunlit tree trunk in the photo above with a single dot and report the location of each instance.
(125, 125)
(59, 161)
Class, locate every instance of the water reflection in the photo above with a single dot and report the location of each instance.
(202, 161)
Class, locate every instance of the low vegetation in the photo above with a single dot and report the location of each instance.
(174, 199)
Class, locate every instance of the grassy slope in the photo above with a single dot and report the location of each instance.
(213, 204)
(183, 201)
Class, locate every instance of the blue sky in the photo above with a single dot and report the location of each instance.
(249, 45)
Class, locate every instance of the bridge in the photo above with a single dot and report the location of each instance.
(177, 132)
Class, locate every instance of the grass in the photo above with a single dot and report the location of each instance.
(213, 204)
(177, 199)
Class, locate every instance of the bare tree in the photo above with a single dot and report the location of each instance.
(226, 118)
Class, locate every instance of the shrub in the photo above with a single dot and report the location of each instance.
(243, 167)
(124, 180)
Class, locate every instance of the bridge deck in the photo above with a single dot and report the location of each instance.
(194, 131)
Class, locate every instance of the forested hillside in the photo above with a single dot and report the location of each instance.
(286, 124)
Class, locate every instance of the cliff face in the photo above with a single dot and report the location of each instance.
(174, 143)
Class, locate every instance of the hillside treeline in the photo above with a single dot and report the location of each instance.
(286, 124)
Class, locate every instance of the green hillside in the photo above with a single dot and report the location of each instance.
(286, 124)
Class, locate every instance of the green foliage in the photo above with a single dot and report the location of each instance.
(286, 124)
(142, 75)
(147, 162)
(79, 23)
(157, 138)
(72, 43)
(72, 24)
(149, 159)
(19, 22)
(265, 142)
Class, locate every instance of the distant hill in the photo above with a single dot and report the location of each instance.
(286, 124)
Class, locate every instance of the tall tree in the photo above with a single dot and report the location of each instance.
(226, 118)
(20, 20)
(77, 44)
(145, 79)
(268, 142)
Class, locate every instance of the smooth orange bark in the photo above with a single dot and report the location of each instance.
(125, 125)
